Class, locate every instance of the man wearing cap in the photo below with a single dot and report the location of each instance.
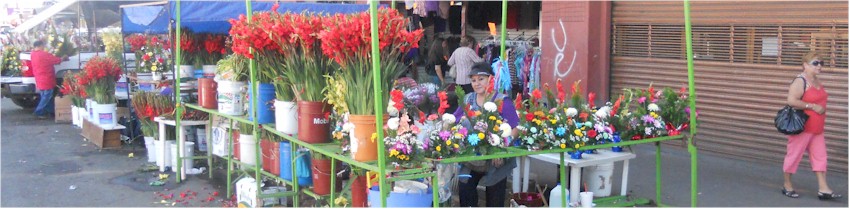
(494, 173)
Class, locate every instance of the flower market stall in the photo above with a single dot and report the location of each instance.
(322, 84)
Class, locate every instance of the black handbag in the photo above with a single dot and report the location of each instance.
(790, 121)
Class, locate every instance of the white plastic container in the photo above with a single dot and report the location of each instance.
(219, 139)
(105, 115)
(248, 149)
(201, 138)
(121, 88)
(163, 159)
(187, 71)
(555, 197)
(150, 145)
(209, 70)
(74, 116)
(286, 117)
(231, 97)
(189, 152)
(246, 192)
(599, 179)
(586, 199)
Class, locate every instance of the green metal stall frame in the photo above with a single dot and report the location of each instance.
(380, 166)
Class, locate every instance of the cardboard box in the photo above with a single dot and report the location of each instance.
(62, 103)
(63, 116)
(103, 138)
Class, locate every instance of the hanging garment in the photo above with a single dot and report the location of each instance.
(503, 78)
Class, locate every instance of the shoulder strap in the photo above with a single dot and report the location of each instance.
(804, 85)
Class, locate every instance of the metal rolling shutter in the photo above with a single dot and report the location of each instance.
(746, 53)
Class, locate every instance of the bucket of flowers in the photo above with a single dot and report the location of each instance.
(675, 111)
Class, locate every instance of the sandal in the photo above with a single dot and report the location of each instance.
(828, 196)
(792, 193)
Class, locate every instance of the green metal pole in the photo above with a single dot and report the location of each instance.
(379, 111)
(563, 179)
(435, 190)
(179, 107)
(692, 100)
(333, 181)
(504, 29)
(229, 160)
(658, 172)
(253, 74)
(392, 4)
(208, 139)
(295, 181)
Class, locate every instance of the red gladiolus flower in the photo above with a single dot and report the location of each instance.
(651, 93)
(583, 116)
(444, 102)
(518, 102)
(397, 96)
(617, 105)
(421, 117)
(529, 117)
(561, 94)
(536, 94)
(146, 57)
(591, 97)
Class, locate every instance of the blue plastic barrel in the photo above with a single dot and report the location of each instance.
(265, 114)
(286, 166)
(401, 199)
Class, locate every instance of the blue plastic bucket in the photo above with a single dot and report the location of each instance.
(265, 114)
(286, 165)
(199, 73)
(401, 199)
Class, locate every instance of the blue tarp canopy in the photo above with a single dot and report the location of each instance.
(213, 16)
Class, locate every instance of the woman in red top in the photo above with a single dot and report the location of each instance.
(807, 93)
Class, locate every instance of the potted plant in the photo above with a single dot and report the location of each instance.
(247, 144)
(251, 35)
(213, 50)
(148, 106)
(321, 171)
(346, 40)
(189, 46)
(270, 150)
(101, 75)
(70, 88)
(231, 75)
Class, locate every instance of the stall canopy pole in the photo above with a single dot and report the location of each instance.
(504, 28)
(379, 111)
(179, 108)
(254, 97)
(692, 100)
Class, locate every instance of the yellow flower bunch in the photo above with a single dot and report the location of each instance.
(654, 115)
(578, 133)
(335, 92)
(112, 43)
(492, 117)
(393, 153)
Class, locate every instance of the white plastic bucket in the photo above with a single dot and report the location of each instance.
(163, 159)
(81, 115)
(286, 117)
(201, 139)
(144, 76)
(156, 76)
(89, 113)
(150, 145)
(248, 149)
(209, 71)
(121, 88)
(231, 97)
(105, 115)
(74, 115)
(187, 71)
(599, 179)
(189, 152)
(219, 139)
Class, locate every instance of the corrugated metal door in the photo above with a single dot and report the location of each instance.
(746, 54)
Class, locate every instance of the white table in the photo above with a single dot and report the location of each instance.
(181, 139)
(601, 157)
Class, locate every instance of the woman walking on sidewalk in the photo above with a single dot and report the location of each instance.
(807, 93)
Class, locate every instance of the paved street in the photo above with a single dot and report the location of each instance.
(45, 164)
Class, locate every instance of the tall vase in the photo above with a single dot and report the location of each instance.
(363, 148)
(313, 119)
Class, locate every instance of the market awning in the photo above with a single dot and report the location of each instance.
(213, 16)
(44, 15)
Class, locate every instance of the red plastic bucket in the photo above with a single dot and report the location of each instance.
(313, 122)
(207, 94)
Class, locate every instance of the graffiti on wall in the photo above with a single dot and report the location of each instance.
(560, 55)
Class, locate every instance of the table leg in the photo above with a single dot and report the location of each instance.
(575, 181)
(625, 178)
(516, 177)
(208, 133)
(162, 150)
(181, 143)
(526, 166)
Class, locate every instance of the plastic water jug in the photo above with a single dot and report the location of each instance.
(555, 197)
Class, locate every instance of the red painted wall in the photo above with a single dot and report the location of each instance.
(575, 40)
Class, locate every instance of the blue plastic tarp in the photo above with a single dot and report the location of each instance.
(213, 16)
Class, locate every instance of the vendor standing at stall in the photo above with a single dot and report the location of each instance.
(494, 173)
(45, 78)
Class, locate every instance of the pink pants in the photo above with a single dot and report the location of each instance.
(797, 144)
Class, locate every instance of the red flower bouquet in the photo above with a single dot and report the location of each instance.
(99, 77)
(149, 105)
(346, 39)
